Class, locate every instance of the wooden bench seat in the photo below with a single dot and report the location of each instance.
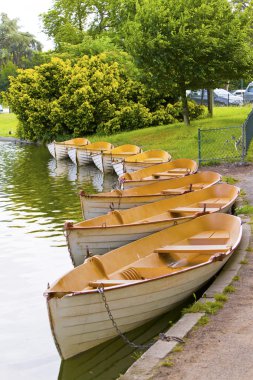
(210, 237)
(193, 209)
(106, 283)
(192, 248)
(215, 202)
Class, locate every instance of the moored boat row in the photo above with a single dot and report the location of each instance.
(105, 156)
(140, 251)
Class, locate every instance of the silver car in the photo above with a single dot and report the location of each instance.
(248, 94)
(221, 97)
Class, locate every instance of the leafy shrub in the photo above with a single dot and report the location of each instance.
(86, 96)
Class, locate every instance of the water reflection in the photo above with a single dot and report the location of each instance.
(112, 358)
(37, 194)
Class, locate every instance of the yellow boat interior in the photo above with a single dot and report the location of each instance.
(126, 149)
(206, 240)
(208, 200)
(175, 168)
(75, 142)
(176, 186)
(98, 146)
(150, 156)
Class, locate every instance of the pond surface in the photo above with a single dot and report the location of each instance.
(37, 195)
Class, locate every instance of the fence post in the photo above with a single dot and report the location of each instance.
(244, 150)
(199, 146)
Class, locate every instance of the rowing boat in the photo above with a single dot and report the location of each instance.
(137, 282)
(59, 150)
(173, 169)
(83, 155)
(98, 204)
(104, 160)
(101, 234)
(141, 161)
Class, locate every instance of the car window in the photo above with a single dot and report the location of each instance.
(250, 89)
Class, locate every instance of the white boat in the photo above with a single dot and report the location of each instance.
(98, 204)
(59, 150)
(141, 161)
(102, 234)
(104, 161)
(137, 282)
(83, 155)
(160, 172)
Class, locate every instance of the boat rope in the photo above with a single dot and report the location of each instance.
(162, 336)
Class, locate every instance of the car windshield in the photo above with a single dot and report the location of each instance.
(250, 89)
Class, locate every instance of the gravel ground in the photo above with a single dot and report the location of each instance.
(223, 348)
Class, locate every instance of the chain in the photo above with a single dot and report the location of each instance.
(125, 339)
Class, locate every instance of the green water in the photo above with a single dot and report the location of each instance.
(37, 195)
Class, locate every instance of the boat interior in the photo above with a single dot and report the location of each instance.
(175, 168)
(207, 239)
(75, 142)
(172, 186)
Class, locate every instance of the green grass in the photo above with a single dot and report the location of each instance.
(179, 140)
(8, 123)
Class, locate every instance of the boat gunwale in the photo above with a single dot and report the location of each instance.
(228, 253)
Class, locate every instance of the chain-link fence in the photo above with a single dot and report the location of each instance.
(225, 144)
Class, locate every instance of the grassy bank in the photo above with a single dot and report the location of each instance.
(8, 124)
(178, 139)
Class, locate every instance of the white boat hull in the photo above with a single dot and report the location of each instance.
(81, 157)
(81, 321)
(101, 240)
(105, 162)
(94, 206)
(58, 151)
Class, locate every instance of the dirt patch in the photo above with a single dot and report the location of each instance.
(223, 348)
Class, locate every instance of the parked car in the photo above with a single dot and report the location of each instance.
(248, 94)
(1, 108)
(221, 97)
(239, 92)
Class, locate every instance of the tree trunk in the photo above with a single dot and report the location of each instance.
(210, 102)
(185, 106)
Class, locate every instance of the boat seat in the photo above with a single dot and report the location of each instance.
(210, 237)
(215, 202)
(179, 190)
(193, 209)
(192, 248)
(111, 282)
(97, 262)
(153, 160)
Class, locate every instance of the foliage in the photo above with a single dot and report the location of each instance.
(91, 95)
(15, 46)
(193, 44)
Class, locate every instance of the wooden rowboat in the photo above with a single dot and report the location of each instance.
(104, 160)
(141, 161)
(98, 204)
(104, 233)
(83, 155)
(137, 282)
(173, 169)
(59, 150)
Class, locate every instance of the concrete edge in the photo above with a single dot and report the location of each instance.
(144, 367)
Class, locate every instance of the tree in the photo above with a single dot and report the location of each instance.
(70, 21)
(17, 49)
(15, 46)
(188, 45)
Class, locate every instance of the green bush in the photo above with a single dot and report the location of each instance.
(83, 97)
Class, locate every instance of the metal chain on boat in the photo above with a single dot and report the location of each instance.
(162, 336)
(124, 337)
